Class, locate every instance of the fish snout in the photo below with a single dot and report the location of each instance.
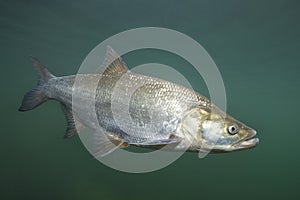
(249, 142)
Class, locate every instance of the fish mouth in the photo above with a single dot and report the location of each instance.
(248, 142)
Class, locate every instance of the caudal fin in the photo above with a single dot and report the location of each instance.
(36, 96)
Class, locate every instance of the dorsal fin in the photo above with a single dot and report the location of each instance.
(113, 63)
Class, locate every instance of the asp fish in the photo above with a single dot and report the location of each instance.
(134, 109)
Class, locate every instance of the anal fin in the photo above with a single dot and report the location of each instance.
(72, 121)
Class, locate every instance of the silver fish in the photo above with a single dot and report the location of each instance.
(134, 109)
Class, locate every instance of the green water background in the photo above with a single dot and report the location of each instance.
(256, 46)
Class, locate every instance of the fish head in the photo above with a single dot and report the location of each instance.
(217, 132)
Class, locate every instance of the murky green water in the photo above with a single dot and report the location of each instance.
(255, 45)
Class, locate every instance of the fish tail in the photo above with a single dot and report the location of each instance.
(36, 96)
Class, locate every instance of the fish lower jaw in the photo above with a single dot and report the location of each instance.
(249, 143)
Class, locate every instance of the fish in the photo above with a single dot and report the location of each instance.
(139, 110)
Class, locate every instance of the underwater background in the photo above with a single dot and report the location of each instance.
(255, 45)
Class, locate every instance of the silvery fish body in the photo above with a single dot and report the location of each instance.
(124, 108)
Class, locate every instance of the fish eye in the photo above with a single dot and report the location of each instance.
(232, 129)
